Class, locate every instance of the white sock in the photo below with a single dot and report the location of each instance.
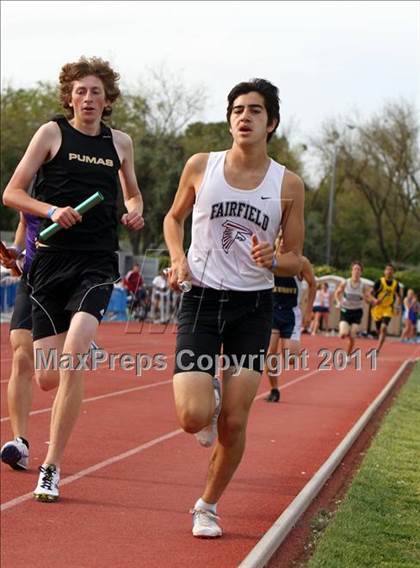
(201, 504)
(216, 394)
(216, 399)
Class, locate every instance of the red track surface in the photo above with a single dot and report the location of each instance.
(131, 507)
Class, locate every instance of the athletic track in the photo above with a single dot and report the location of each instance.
(130, 475)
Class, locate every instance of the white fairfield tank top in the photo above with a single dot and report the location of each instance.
(223, 221)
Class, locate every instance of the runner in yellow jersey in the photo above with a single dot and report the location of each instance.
(386, 302)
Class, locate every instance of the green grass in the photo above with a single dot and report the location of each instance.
(378, 523)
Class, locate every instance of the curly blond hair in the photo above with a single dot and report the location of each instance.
(96, 66)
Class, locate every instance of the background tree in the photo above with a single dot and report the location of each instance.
(376, 212)
(377, 201)
(383, 162)
(159, 152)
(153, 116)
(206, 137)
(22, 112)
(172, 105)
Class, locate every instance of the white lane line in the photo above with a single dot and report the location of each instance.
(276, 534)
(87, 471)
(96, 467)
(134, 389)
(99, 397)
(290, 383)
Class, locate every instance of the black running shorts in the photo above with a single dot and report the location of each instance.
(65, 282)
(22, 311)
(321, 310)
(383, 321)
(209, 319)
(283, 321)
(351, 316)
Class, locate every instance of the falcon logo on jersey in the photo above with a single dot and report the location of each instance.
(233, 231)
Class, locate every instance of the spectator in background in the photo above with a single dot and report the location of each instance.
(411, 308)
(321, 308)
(133, 280)
(160, 298)
(137, 295)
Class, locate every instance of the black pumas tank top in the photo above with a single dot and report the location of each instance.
(286, 292)
(82, 166)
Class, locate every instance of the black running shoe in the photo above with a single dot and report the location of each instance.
(15, 454)
(274, 396)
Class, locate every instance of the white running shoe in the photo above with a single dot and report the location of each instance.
(207, 435)
(205, 524)
(47, 488)
(15, 454)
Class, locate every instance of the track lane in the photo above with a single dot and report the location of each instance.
(136, 509)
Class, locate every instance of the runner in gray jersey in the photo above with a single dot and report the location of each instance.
(350, 296)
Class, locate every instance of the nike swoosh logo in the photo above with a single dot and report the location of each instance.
(265, 197)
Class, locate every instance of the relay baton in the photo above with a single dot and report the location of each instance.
(81, 208)
(184, 286)
(7, 259)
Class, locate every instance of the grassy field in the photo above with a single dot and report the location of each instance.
(378, 523)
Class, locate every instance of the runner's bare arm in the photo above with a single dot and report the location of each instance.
(9, 255)
(41, 148)
(339, 292)
(133, 200)
(293, 227)
(308, 275)
(371, 296)
(173, 225)
(367, 294)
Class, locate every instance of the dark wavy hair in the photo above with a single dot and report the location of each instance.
(267, 90)
(96, 66)
(358, 263)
